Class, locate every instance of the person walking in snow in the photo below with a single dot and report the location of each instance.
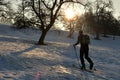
(84, 41)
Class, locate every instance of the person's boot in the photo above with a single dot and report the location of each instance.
(91, 66)
(83, 68)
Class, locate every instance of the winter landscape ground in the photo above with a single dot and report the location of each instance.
(21, 59)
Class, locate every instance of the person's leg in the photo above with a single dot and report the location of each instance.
(88, 59)
(82, 59)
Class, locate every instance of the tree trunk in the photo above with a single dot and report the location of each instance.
(44, 32)
(71, 32)
(113, 36)
(41, 40)
(105, 33)
(97, 37)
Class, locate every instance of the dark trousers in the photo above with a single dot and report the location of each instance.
(84, 53)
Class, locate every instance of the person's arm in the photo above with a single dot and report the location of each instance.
(78, 40)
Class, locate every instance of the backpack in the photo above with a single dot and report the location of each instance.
(85, 39)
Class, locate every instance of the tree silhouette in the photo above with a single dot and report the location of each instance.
(47, 12)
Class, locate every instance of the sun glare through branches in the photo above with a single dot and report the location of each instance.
(69, 14)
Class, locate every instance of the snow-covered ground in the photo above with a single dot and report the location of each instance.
(21, 59)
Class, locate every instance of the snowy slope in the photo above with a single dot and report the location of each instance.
(21, 59)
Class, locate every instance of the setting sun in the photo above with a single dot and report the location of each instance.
(69, 13)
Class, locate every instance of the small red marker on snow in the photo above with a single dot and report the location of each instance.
(37, 76)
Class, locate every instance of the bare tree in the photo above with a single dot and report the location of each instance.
(47, 12)
(4, 9)
(100, 6)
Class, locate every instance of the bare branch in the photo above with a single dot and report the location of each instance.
(38, 14)
(45, 5)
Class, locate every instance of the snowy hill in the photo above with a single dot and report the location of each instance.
(21, 59)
